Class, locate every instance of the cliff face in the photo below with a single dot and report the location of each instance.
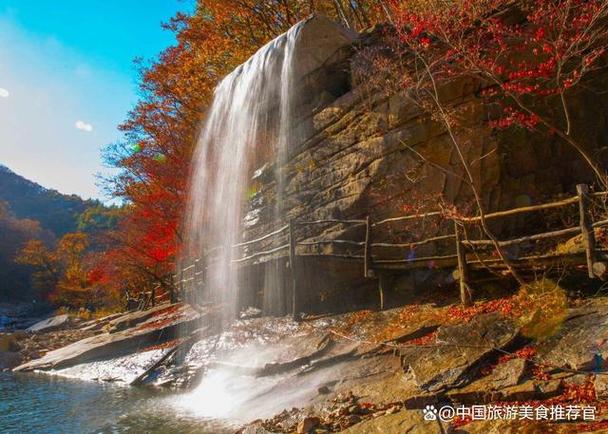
(375, 153)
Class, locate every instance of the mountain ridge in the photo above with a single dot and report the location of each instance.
(57, 212)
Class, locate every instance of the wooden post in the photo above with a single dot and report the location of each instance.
(367, 253)
(293, 268)
(587, 232)
(463, 269)
(385, 281)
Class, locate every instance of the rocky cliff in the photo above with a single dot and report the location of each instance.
(365, 150)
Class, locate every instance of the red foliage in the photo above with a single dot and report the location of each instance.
(519, 52)
(538, 372)
(505, 306)
(580, 393)
(424, 340)
(526, 353)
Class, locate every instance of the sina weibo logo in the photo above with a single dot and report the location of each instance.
(430, 412)
(444, 414)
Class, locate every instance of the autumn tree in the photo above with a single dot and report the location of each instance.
(161, 131)
(65, 272)
(529, 56)
(523, 59)
(14, 233)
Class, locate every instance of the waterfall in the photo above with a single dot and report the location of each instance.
(250, 110)
(252, 113)
(260, 114)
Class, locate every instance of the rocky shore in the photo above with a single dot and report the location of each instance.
(360, 372)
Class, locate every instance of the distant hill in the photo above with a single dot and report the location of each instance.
(55, 211)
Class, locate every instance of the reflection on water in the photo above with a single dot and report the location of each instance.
(31, 403)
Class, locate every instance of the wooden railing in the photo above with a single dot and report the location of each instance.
(193, 275)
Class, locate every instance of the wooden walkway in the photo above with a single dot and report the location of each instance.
(463, 254)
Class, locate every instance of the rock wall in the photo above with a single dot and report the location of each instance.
(371, 153)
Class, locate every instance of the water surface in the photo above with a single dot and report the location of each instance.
(39, 403)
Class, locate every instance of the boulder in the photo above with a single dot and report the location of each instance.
(460, 351)
(307, 424)
(256, 428)
(581, 343)
(405, 421)
(51, 324)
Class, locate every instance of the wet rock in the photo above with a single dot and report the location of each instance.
(307, 424)
(461, 350)
(581, 343)
(295, 352)
(256, 428)
(50, 324)
(250, 312)
(323, 390)
(405, 421)
(164, 326)
(338, 353)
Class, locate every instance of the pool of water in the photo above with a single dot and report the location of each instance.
(39, 403)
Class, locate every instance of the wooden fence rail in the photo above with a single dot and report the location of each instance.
(192, 276)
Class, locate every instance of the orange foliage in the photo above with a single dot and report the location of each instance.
(161, 131)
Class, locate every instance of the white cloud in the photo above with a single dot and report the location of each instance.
(4, 93)
(81, 125)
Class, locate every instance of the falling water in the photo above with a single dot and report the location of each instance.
(253, 118)
(250, 111)
(260, 112)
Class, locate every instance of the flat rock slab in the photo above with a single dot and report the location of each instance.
(50, 324)
(290, 353)
(581, 343)
(405, 421)
(98, 323)
(523, 426)
(131, 319)
(528, 390)
(488, 388)
(458, 352)
(164, 326)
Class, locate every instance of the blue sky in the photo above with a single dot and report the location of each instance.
(67, 80)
